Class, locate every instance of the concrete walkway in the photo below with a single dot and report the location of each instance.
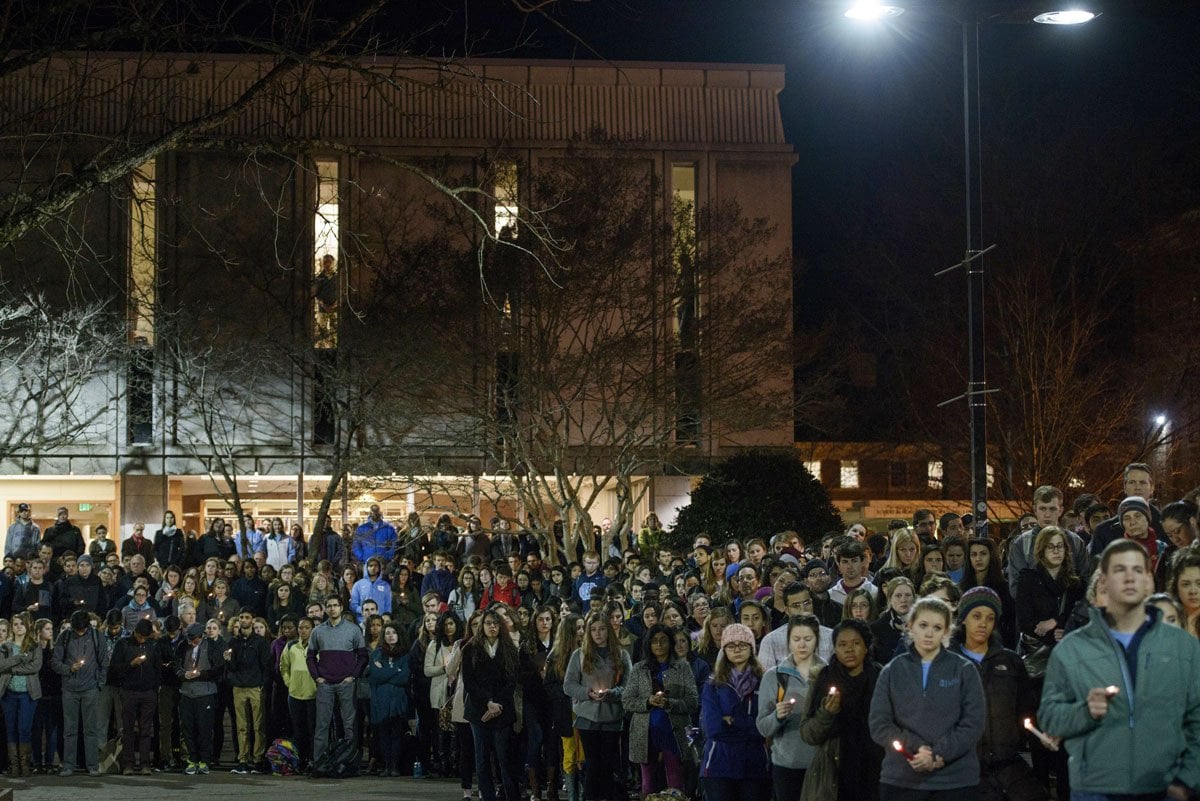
(161, 786)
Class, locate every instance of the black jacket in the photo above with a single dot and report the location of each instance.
(485, 679)
(169, 548)
(76, 589)
(29, 593)
(1010, 700)
(1039, 597)
(251, 662)
(145, 676)
(166, 659)
(63, 537)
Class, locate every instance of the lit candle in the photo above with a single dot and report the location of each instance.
(1041, 735)
(901, 750)
(833, 690)
(1111, 690)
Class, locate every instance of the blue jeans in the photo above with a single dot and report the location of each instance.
(47, 730)
(18, 716)
(491, 740)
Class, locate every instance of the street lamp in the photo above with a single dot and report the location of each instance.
(972, 14)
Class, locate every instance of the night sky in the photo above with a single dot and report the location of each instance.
(1089, 132)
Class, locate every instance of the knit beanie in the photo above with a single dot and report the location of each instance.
(978, 596)
(1134, 503)
(736, 632)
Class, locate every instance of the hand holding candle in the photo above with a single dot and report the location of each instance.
(1097, 700)
(1046, 739)
(901, 750)
(833, 701)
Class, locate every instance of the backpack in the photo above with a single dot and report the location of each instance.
(338, 761)
(283, 757)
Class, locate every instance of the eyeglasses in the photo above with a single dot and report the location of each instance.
(737, 645)
(800, 605)
(817, 574)
(1057, 546)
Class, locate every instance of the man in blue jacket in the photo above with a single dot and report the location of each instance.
(372, 586)
(375, 537)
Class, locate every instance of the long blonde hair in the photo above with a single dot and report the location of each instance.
(903, 536)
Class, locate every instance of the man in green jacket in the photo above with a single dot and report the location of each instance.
(1124, 693)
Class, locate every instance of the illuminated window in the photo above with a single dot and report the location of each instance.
(935, 473)
(848, 475)
(326, 252)
(991, 476)
(685, 304)
(683, 218)
(814, 468)
(143, 255)
(504, 214)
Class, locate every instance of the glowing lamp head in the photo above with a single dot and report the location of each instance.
(1070, 16)
(872, 11)
(1160, 420)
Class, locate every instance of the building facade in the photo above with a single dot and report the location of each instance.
(456, 287)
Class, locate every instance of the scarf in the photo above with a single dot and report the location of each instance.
(743, 682)
(1150, 543)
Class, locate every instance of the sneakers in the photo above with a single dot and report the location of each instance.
(241, 769)
(145, 771)
(94, 772)
(202, 769)
(127, 771)
(65, 771)
(192, 769)
(261, 769)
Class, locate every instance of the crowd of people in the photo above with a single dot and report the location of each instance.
(920, 662)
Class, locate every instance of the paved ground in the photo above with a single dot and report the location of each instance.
(226, 786)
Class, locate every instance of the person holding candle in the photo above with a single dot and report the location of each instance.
(662, 697)
(135, 669)
(845, 765)
(1011, 702)
(82, 661)
(782, 698)
(733, 765)
(199, 664)
(595, 682)
(928, 706)
(1126, 661)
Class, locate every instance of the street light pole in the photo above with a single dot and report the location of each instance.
(973, 263)
(971, 15)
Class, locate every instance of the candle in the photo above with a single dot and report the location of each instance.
(901, 750)
(1041, 735)
(833, 690)
(1111, 690)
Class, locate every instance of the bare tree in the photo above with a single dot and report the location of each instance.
(53, 366)
(645, 345)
